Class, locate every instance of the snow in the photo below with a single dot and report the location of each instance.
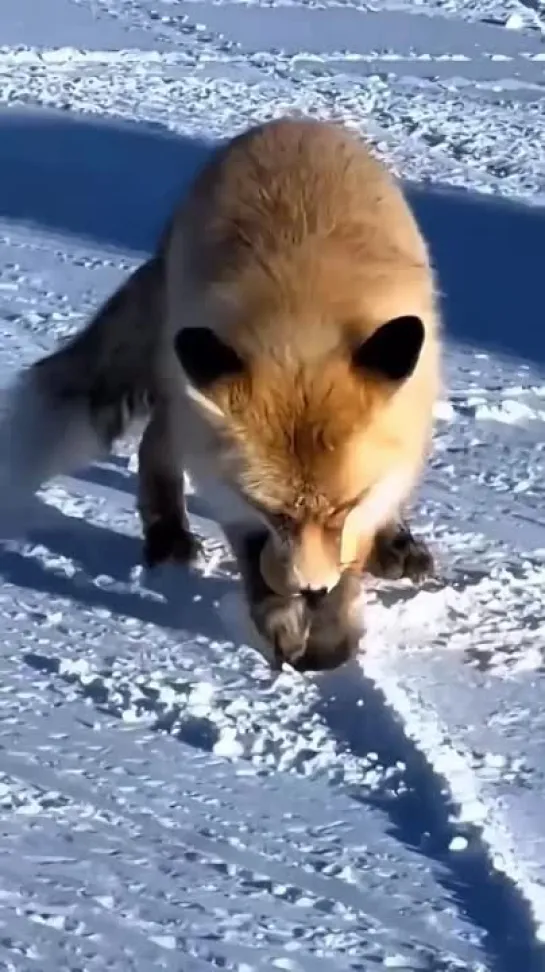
(166, 800)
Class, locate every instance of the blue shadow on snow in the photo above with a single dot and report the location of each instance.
(115, 182)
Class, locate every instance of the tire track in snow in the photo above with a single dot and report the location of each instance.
(490, 881)
(374, 711)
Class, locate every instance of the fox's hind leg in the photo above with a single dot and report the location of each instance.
(398, 553)
(161, 498)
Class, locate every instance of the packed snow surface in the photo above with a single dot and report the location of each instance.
(166, 801)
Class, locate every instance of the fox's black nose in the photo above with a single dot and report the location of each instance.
(314, 596)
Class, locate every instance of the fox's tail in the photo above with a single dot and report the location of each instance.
(67, 409)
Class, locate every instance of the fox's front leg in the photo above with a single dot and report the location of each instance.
(161, 499)
(310, 633)
(397, 553)
(337, 626)
(282, 620)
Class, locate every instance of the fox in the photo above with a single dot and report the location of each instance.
(281, 347)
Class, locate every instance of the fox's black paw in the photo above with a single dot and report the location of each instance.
(397, 553)
(169, 540)
(308, 636)
(314, 638)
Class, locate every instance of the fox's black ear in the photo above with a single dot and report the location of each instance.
(393, 350)
(205, 358)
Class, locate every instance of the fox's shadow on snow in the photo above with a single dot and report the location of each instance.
(115, 183)
(189, 600)
(110, 181)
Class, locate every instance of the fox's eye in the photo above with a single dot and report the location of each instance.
(205, 358)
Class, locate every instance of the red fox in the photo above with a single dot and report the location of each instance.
(284, 346)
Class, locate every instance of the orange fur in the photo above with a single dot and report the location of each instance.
(297, 245)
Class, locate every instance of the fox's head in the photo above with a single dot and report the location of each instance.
(304, 438)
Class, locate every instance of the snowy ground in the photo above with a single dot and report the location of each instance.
(165, 801)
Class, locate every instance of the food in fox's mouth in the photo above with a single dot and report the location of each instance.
(274, 572)
(350, 543)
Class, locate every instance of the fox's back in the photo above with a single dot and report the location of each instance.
(297, 216)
